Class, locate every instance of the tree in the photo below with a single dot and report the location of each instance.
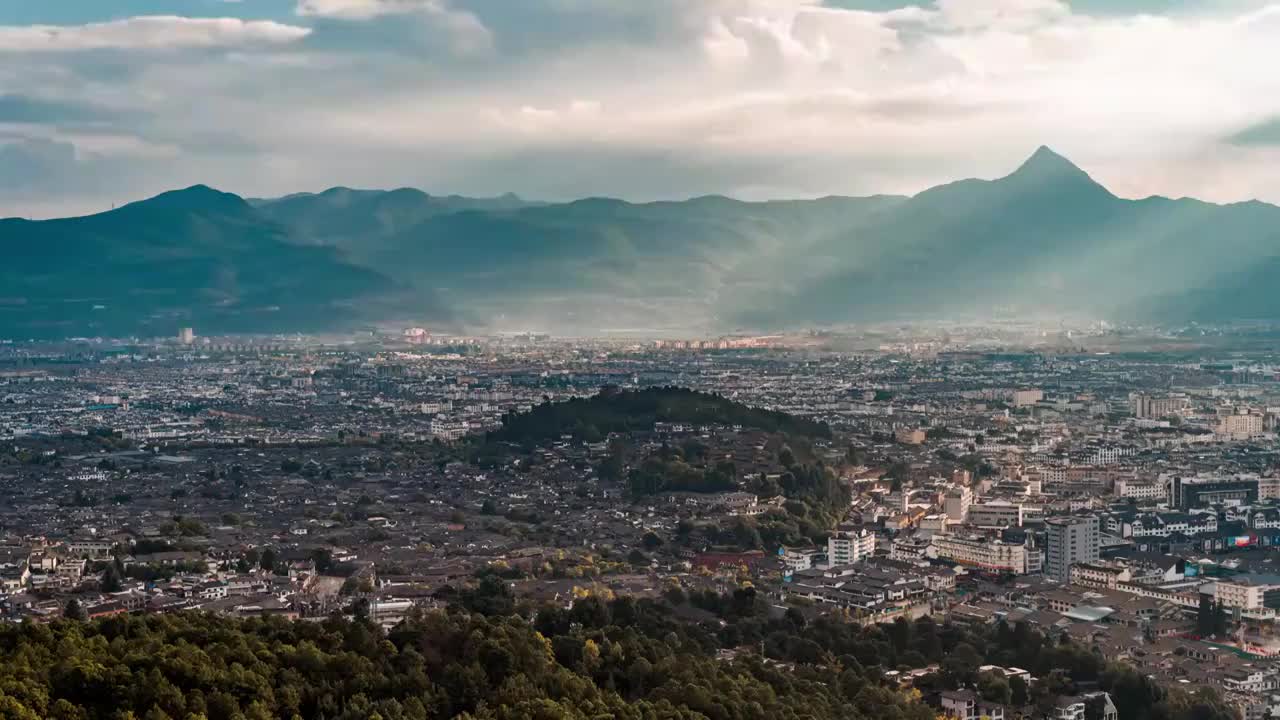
(1095, 707)
(960, 667)
(1018, 691)
(994, 688)
(1211, 618)
(73, 611)
(786, 458)
(111, 582)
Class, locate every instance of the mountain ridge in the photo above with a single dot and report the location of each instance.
(1044, 239)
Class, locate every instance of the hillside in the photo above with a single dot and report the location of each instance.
(1047, 240)
(611, 411)
(485, 659)
(189, 257)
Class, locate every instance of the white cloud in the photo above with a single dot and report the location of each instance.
(365, 9)
(788, 97)
(147, 33)
(466, 34)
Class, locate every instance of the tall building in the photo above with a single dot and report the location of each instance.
(187, 335)
(1027, 398)
(848, 547)
(1147, 406)
(1070, 540)
(956, 503)
(1241, 426)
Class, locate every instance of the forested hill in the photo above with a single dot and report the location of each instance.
(486, 660)
(614, 411)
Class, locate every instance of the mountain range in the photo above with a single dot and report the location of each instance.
(1046, 240)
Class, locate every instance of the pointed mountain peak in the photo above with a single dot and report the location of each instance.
(1044, 158)
(1046, 167)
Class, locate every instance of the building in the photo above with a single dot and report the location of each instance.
(1147, 406)
(996, 514)
(1200, 491)
(1100, 575)
(1027, 398)
(798, 559)
(910, 549)
(979, 551)
(956, 503)
(1241, 426)
(966, 705)
(1162, 524)
(187, 336)
(1269, 488)
(1076, 707)
(848, 547)
(740, 503)
(1070, 540)
(1139, 490)
(1248, 592)
(910, 436)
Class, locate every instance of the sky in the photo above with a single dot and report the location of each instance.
(108, 101)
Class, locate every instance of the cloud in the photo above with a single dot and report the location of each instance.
(415, 23)
(28, 109)
(35, 162)
(147, 33)
(666, 98)
(366, 9)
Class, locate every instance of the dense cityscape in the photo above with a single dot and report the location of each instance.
(1121, 502)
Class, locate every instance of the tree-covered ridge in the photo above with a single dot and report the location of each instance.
(492, 659)
(616, 411)
(583, 664)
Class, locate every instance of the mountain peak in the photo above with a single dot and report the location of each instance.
(1046, 167)
(195, 198)
(1045, 158)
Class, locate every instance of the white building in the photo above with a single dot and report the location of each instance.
(848, 547)
(996, 514)
(982, 552)
(1139, 490)
(1248, 592)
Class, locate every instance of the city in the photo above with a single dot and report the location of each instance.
(1125, 502)
(639, 360)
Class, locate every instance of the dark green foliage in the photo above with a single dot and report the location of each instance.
(656, 475)
(589, 419)
(624, 660)
(628, 659)
(1211, 618)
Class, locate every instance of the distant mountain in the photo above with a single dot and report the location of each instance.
(1045, 240)
(189, 257)
(346, 217)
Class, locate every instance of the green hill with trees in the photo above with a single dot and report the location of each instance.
(490, 658)
(620, 411)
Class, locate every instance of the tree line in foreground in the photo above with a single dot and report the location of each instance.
(489, 657)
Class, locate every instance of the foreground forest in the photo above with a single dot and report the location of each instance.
(489, 657)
